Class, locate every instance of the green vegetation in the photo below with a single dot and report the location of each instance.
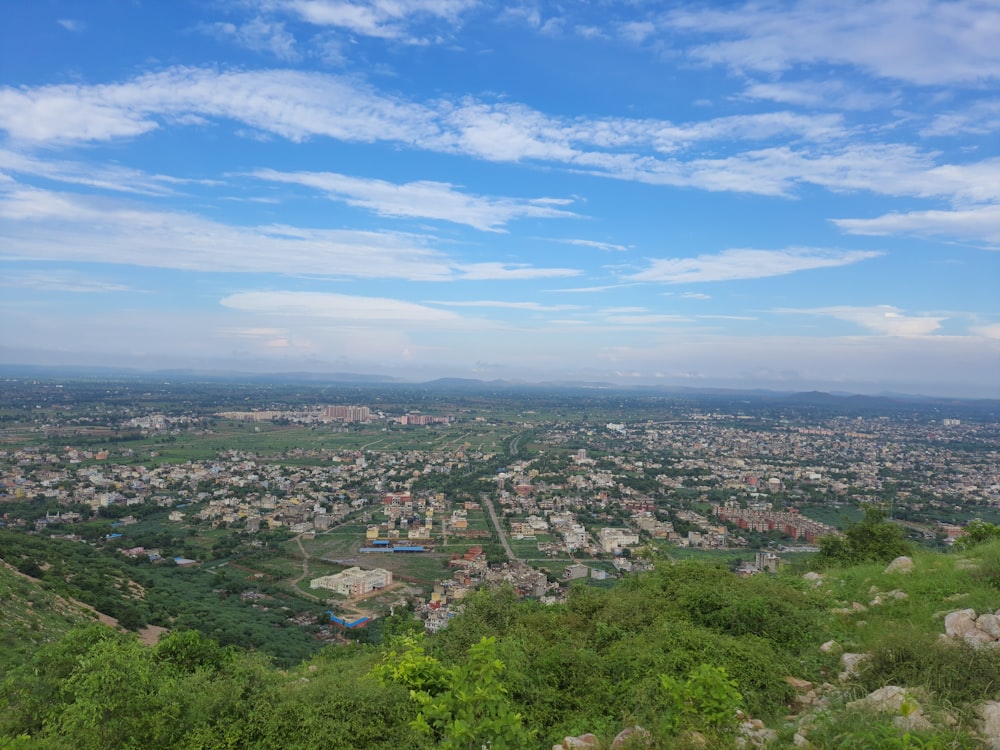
(679, 651)
(871, 540)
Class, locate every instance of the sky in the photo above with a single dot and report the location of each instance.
(783, 195)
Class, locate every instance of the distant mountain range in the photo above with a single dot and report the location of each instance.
(472, 385)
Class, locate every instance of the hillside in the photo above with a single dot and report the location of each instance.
(676, 651)
(33, 617)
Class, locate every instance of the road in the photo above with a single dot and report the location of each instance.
(496, 524)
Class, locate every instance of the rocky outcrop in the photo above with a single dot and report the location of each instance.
(981, 631)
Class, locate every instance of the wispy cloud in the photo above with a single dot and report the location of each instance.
(61, 281)
(530, 306)
(357, 309)
(822, 94)
(385, 19)
(731, 265)
(606, 246)
(979, 118)
(979, 224)
(925, 42)
(104, 176)
(44, 225)
(882, 319)
(423, 199)
(71, 24)
(257, 35)
(511, 271)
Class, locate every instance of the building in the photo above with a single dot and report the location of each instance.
(348, 413)
(354, 581)
(616, 539)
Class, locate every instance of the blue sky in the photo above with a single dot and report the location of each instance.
(785, 195)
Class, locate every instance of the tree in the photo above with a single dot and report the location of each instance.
(976, 533)
(873, 539)
(474, 711)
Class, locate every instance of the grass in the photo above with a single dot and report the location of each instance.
(32, 617)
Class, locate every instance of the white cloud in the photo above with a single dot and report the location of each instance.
(981, 223)
(741, 263)
(424, 199)
(531, 306)
(882, 319)
(292, 104)
(373, 310)
(299, 105)
(980, 118)
(44, 225)
(511, 271)
(258, 35)
(71, 24)
(61, 281)
(636, 32)
(989, 331)
(606, 246)
(650, 319)
(106, 177)
(385, 19)
(823, 94)
(926, 42)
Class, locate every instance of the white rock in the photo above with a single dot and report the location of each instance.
(913, 722)
(829, 647)
(978, 639)
(799, 741)
(850, 662)
(959, 622)
(901, 564)
(989, 712)
(814, 577)
(989, 624)
(888, 699)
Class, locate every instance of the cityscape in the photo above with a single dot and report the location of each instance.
(491, 492)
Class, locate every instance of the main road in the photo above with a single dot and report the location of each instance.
(488, 502)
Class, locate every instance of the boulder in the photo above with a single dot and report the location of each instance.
(913, 722)
(584, 740)
(901, 564)
(815, 578)
(959, 622)
(829, 647)
(800, 685)
(888, 699)
(632, 737)
(989, 712)
(989, 624)
(978, 639)
(850, 663)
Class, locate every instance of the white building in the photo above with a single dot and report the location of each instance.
(354, 581)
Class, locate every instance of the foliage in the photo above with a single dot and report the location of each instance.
(473, 711)
(707, 699)
(977, 532)
(862, 730)
(953, 670)
(873, 539)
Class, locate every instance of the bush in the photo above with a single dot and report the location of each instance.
(872, 540)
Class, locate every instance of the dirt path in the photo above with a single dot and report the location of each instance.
(305, 572)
